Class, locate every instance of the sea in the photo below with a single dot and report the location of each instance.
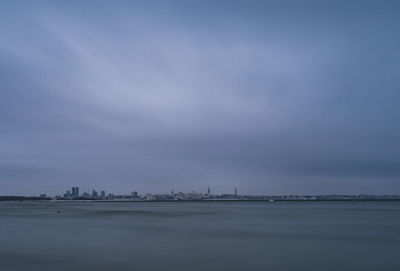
(199, 236)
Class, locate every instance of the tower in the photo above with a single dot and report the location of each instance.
(209, 191)
(75, 191)
(235, 192)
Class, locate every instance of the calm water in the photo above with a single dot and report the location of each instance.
(200, 236)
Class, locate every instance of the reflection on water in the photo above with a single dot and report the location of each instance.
(200, 236)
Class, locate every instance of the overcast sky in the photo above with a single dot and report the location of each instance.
(271, 97)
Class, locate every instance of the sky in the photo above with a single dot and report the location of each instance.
(270, 97)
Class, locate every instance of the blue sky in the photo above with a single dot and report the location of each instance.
(271, 97)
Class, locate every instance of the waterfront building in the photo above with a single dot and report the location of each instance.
(68, 194)
(95, 194)
(75, 191)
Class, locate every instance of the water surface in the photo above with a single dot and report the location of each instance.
(200, 236)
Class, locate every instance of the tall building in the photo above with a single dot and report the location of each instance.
(103, 194)
(134, 194)
(95, 194)
(209, 191)
(75, 191)
(235, 192)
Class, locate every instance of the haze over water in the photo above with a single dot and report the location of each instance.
(200, 236)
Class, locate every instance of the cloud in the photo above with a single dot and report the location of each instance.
(154, 96)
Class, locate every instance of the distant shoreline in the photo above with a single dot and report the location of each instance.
(38, 199)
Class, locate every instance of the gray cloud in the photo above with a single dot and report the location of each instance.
(269, 97)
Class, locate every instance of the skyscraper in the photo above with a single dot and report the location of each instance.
(75, 191)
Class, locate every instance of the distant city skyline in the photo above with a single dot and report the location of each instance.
(75, 192)
(271, 97)
(94, 195)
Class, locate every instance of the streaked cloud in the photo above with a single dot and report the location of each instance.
(264, 96)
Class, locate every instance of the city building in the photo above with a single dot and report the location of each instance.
(68, 194)
(75, 191)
